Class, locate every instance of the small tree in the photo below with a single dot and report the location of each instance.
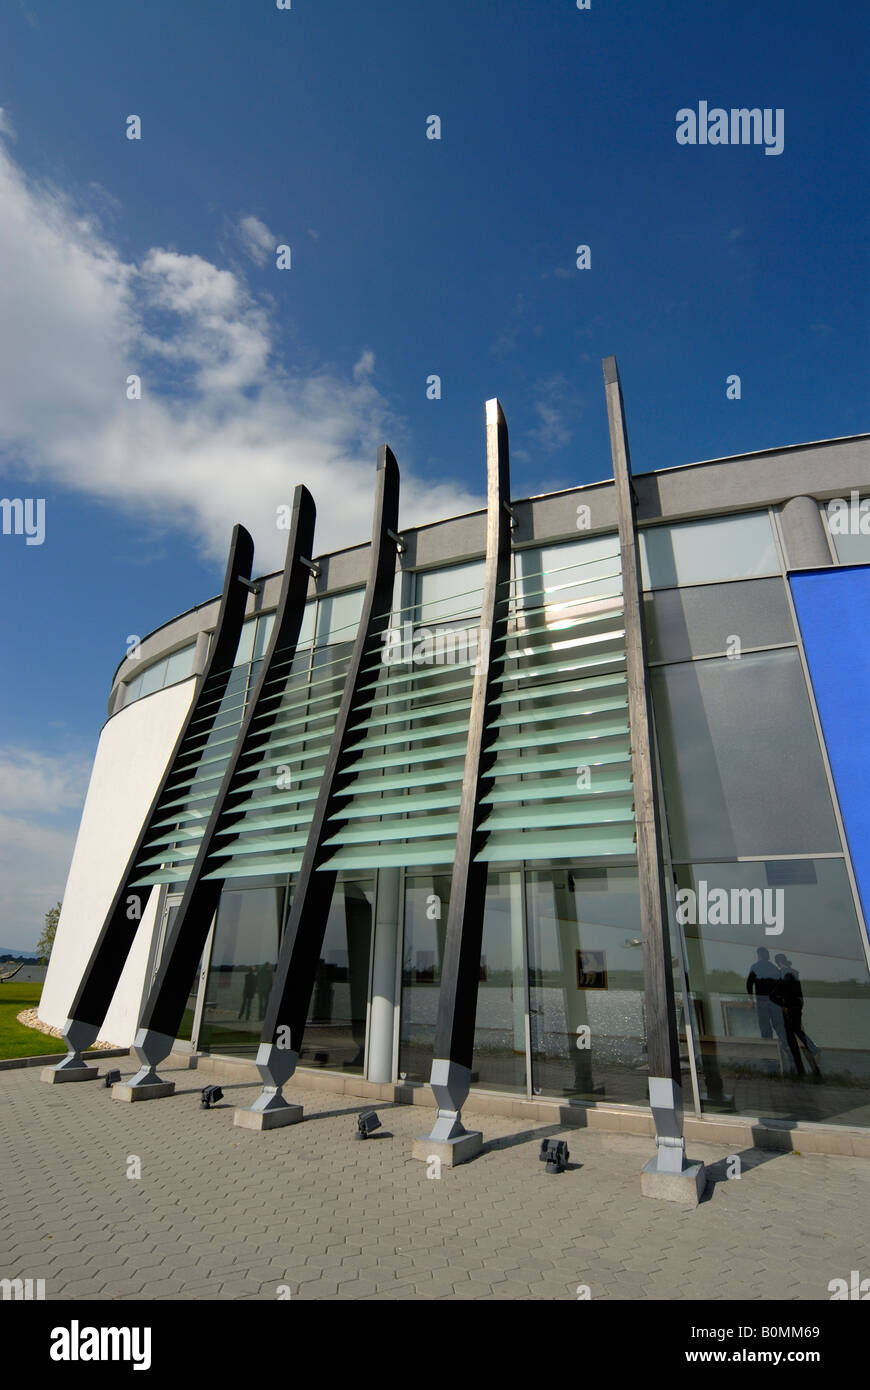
(46, 941)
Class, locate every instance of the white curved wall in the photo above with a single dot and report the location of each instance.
(132, 753)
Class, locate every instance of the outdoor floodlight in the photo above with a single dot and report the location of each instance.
(367, 1122)
(111, 1077)
(554, 1152)
(210, 1096)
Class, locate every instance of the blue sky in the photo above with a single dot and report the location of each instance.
(410, 257)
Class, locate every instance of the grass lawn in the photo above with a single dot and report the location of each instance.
(16, 1040)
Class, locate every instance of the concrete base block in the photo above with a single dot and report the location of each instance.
(686, 1187)
(450, 1151)
(122, 1090)
(54, 1077)
(267, 1119)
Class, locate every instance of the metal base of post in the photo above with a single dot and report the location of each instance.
(270, 1110)
(133, 1090)
(449, 1141)
(150, 1048)
(78, 1036)
(71, 1072)
(669, 1175)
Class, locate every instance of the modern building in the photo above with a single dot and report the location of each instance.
(756, 597)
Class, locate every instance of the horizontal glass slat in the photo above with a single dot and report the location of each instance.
(178, 875)
(579, 687)
(561, 844)
(415, 735)
(509, 767)
(286, 864)
(600, 785)
(383, 832)
(574, 735)
(368, 804)
(429, 852)
(584, 710)
(520, 817)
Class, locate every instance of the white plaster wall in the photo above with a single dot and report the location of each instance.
(132, 753)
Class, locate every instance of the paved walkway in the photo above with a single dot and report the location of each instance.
(220, 1212)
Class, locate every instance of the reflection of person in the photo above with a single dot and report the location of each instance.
(264, 987)
(249, 989)
(790, 996)
(763, 981)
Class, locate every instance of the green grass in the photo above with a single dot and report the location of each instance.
(15, 1039)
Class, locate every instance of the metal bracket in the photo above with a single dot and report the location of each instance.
(510, 511)
(310, 565)
(400, 543)
(253, 588)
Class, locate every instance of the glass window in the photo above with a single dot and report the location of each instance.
(779, 989)
(245, 649)
(338, 617)
(335, 1033)
(586, 983)
(703, 621)
(427, 899)
(741, 764)
(449, 594)
(133, 689)
(704, 552)
(500, 1023)
(242, 967)
(849, 527)
(153, 677)
(179, 665)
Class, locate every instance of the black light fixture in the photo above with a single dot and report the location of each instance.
(111, 1077)
(554, 1152)
(210, 1096)
(366, 1123)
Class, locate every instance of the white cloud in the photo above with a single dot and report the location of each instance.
(365, 366)
(40, 800)
(257, 240)
(224, 430)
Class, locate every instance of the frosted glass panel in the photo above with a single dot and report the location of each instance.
(450, 593)
(179, 665)
(338, 617)
(698, 552)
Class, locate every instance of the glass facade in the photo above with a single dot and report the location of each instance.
(770, 975)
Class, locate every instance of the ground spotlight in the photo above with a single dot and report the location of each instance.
(554, 1152)
(111, 1077)
(210, 1096)
(366, 1123)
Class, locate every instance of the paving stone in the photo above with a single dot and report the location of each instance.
(336, 1220)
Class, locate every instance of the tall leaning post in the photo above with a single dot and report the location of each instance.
(164, 1008)
(450, 1077)
(669, 1174)
(299, 952)
(109, 955)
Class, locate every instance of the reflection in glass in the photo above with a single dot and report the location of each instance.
(499, 1062)
(779, 988)
(335, 1034)
(741, 763)
(242, 967)
(705, 552)
(586, 983)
